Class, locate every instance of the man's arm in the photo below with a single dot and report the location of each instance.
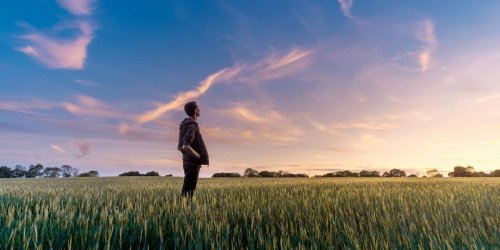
(188, 149)
(188, 139)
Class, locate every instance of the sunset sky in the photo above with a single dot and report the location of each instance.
(301, 86)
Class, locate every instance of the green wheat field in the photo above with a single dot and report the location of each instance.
(252, 213)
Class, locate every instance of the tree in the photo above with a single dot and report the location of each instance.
(470, 170)
(293, 175)
(131, 173)
(267, 174)
(19, 171)
(281, 173)
(251, 173)
(226, 175)
(366, 173)
(495, 173)
(394, 173)
(34, 171)
(5, 172)
(91, 173)
(433, 172)
(459, 171)
(51, 172)
(74, 172)
(345, 173)
(298, 175)
(152, 173)
(438, 175)
(68, 171)
(480, 174)
(412, 175)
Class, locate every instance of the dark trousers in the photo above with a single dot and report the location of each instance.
(190, 179)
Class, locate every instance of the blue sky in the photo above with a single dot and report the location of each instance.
(300, 86)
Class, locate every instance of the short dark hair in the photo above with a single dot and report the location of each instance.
(189, 108)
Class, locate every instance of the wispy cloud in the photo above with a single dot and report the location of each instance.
(183, 97)
(274, 62)
(88, 106)
(78, 7)
(54, 49)
(425, 32)
(27, 106)
(60, 53)
(258, 115)
(367, 126)
(84, 148)
(263, 70)
(83, 106)
(345, 6)
(57, 148)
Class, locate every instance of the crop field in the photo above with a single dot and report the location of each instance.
(253, 213)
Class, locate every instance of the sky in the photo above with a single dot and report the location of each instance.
(300, 86)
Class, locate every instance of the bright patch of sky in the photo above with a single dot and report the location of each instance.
(299, 86)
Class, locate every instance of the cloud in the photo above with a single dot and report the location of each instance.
(367, 126)
(88, 106)
(60, 53)
(78, 7)
(123, 128)
(27, 106)
(138, 133)
(263, 70)
(425, 32)
(345, 6)
(274, 62)
(55, 50)
(57, 148)
(84, 148)
(183, 97)
(260, 115)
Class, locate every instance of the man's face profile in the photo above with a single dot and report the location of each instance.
(197, 111)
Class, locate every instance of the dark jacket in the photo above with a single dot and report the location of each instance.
(189, 135)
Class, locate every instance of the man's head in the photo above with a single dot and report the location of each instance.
(192, 109)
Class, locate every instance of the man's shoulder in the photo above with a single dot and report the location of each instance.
(192, 126)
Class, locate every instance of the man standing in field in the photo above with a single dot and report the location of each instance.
(192, 146)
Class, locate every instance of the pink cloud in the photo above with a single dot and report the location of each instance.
(345, 6)
(84, 148)
(27, 106)
(274, 62)
(59, 53)
(425, 32)
(88, 106)
(183, 97)
(271, 67)
(57, 148)
(78, 7)
(259, 115)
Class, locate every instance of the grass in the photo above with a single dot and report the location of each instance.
(254, 213)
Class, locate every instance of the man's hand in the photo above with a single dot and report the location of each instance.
(188, 149)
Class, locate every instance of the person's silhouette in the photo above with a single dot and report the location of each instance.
(192, 146)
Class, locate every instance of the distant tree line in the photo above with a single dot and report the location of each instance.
(254, 173)
(458, 171)
(366, 173)
(39, 171)
(226, 175)
(136, 173)
(469, 171)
